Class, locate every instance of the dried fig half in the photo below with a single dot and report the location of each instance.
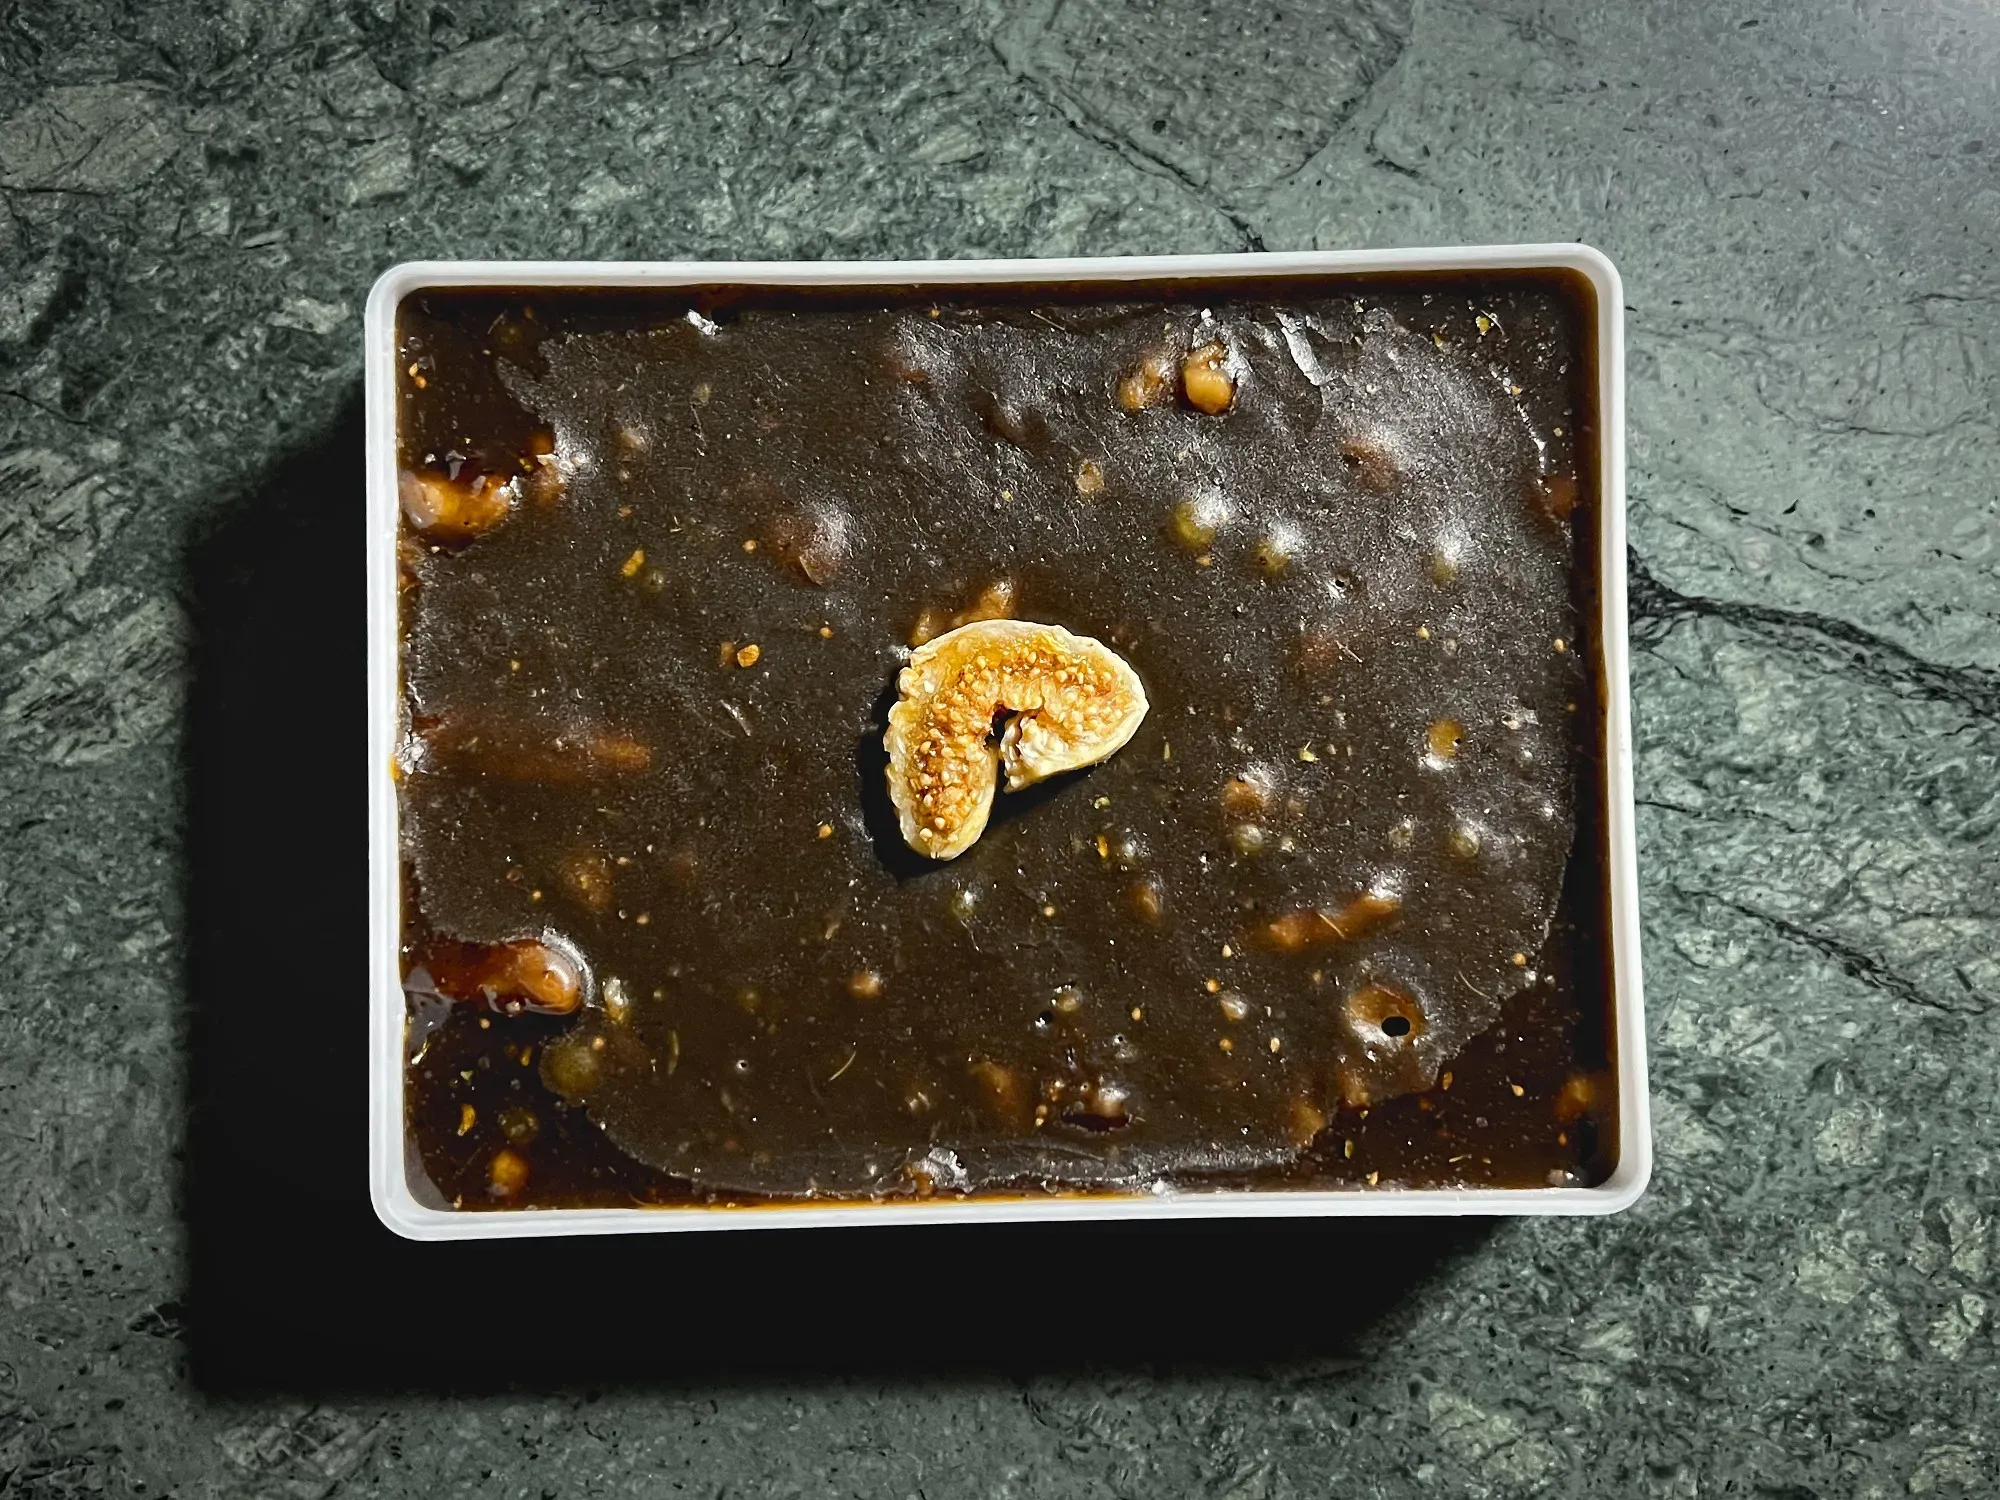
(1072, 702)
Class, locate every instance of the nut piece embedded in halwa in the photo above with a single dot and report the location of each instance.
(1310, 926)
(526, 974)
(1073, 702)
(454, 510)
(1147, 383)
(1206, 381)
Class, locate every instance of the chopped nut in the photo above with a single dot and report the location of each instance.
(1517, 1089)
(1073, 703)
(1306, 1121)
(1371, 464)
(588, 876)
(467, 1118)
(928, 626)
(1247, 839)
(455, 510)
(631, 566)
(1276, 549)
(1206, 381)
(1090, 477)
(1463, 841)
(1148, 899)
(815, 540)
(510, 976)
(1579, 1092)
(865, 984)
(994, 602)
(1309, 926)
(1306, 753)
(1556, 495)
(617, 1000)
(1250, 794)
(748, 655)
(507, 1173)
(1234, 1007)
(1195, 521)
(1147, 383)
(1006, 1096)
(826, 830)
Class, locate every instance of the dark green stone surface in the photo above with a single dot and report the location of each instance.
(194, 1299)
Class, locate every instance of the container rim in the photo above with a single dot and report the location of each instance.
(390, 1154)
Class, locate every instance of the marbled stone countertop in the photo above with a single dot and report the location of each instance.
(1805, 202)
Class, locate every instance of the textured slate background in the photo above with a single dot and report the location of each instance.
(1805, 200)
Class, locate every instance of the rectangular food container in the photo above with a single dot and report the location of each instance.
(391, 1157)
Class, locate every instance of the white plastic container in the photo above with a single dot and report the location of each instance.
(390, 1155)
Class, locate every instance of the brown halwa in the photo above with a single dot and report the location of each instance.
(1330, 915)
